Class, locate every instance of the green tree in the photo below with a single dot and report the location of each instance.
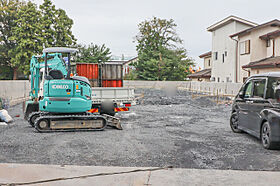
(62, 26)
(8, 16)
(56, 26)
(93, 53)
(25, 30)
(48, 20)
(27, 34)
(160, 58)
(6, 72)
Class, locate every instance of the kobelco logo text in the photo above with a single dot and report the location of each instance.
(60, 86)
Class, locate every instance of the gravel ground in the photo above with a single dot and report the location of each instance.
(166, 128)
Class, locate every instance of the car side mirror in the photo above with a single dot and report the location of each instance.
(241, 95)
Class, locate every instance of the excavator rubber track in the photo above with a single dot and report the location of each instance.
(72, 123)
(33, 116)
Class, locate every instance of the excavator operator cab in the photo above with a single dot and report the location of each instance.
(57, 74)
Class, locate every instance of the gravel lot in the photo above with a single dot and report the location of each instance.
(167, 128)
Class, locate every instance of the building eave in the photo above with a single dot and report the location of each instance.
(270, 62)
(207, 54)
(228, 20)
(206, 73)
(131, 60)
(270, 35)
(275, 22)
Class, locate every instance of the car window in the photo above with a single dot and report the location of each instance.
(248, 90)
(259, 87)
(271, 87)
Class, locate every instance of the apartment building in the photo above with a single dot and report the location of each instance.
(224, 48)
(258, 49)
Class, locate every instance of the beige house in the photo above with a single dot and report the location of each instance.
(203, 75)
(207, 60)
(258, 49)
(224, 67)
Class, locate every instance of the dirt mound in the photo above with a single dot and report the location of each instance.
(172, 97)
(204, 101)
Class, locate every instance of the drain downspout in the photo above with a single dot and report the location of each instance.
(236, 59)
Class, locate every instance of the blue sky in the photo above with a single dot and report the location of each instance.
(114, 22)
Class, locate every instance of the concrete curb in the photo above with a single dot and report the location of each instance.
(24, 173)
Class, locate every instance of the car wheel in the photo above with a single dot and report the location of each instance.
(266, 137)
(234, 123)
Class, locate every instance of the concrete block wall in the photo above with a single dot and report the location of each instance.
(215, 88)
(207, 87)
(14, 91)
(17, 91)
(153, 84)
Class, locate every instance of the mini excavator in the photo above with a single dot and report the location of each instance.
(59, 101)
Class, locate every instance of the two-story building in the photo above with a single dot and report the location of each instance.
(224, 49)
(207, 59)
(258, 49)
(205, 74)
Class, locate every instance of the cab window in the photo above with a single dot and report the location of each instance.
(259, 88)
(248, 90)
(272, 85)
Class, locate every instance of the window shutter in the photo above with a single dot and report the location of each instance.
(247, 47)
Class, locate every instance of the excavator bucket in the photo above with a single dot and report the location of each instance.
(29, 107)
(113, 121)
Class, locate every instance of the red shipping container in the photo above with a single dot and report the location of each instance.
(88, 70)
(112, 83)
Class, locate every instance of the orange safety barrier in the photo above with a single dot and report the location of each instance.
(121, 109)
(94, 110)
